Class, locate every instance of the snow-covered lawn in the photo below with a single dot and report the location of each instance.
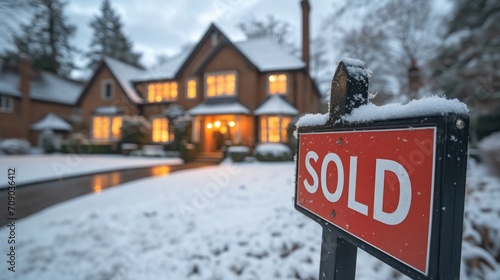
(224, 222)
(36, 168)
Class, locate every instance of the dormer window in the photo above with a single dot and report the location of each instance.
(164, 91)
(277, 84)
(220, 84)
(107, 90)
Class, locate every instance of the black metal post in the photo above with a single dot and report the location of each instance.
(349, 90)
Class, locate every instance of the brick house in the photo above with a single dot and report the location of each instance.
(32, 101)
(239, 92)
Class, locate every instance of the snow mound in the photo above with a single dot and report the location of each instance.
(426, 106)
(238, 149)
(275, 149)
(353, 61)
(312, 120)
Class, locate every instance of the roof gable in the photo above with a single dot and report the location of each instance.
(125, 74)
(268, 55)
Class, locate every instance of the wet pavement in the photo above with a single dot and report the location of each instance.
(36, 197)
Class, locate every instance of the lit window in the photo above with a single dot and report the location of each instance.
(277, 84)
(107, 89)
(6, 104)
(221, 85)
(274, 128)
(106, 128)
(160, 133)
(158, 92)
(191, 89)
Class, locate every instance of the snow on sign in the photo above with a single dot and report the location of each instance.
(376, 185)
(393, 187)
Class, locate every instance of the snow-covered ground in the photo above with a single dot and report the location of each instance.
(36, 168)
(224, 222)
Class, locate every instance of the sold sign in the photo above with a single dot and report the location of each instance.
(376, 185)
(394, 187)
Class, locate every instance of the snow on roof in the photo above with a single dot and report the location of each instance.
(275, 105)
(426, 106)
(219, 108)
(268, 56)
(167, 70)
(46, 87)
(52, 122)
(125, 74)
(51, 87)
(9, 83)
(107, 110)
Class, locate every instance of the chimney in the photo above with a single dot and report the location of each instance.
(306, 8)
(414, 79)
(24, 88)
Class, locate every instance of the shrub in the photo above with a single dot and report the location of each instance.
(189, 151)
(273, 152)
(14, 146)
(489, 149)
(135, 129)
(238, 153)
(48, 144)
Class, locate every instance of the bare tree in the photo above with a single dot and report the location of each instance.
(390, 35)
(277, 30)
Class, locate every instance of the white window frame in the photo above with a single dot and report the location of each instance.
(103, 89)
(187, 88)
(7, 100)
(205, 90)
(281, 117)
(170, 135)
(268, 88)
(111, 138)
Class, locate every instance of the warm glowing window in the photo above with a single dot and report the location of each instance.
(274, 128)
(106, 128)
(160, 133)
(191, 89)
(158, 92)
(277, 84)
(221, 84)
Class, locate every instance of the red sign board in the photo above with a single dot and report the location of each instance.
(376, 185)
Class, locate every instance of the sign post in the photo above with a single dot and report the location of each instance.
(394, 188)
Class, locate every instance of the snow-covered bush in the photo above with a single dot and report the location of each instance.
(48, 144)
(15, 146)
(135, 129)
(238, 153)
(481, 236)
(489, 148)
(273, 152)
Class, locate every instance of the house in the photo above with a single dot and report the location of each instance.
(33, 101)
(235, 92)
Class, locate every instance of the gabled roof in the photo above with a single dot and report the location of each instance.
(167, 70)
(268, 55)
(51, 122)
(44, 86)
(125, 74)
(275, 105)
(262, 53)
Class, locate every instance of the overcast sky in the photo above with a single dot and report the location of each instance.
(162, 27)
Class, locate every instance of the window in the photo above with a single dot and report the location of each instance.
(277, 84)
(191, 89)
(107, 89)
(6, 104)
(106, 128)
(274, 128)
(160, 133)
(158, 92)
(221, 84)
